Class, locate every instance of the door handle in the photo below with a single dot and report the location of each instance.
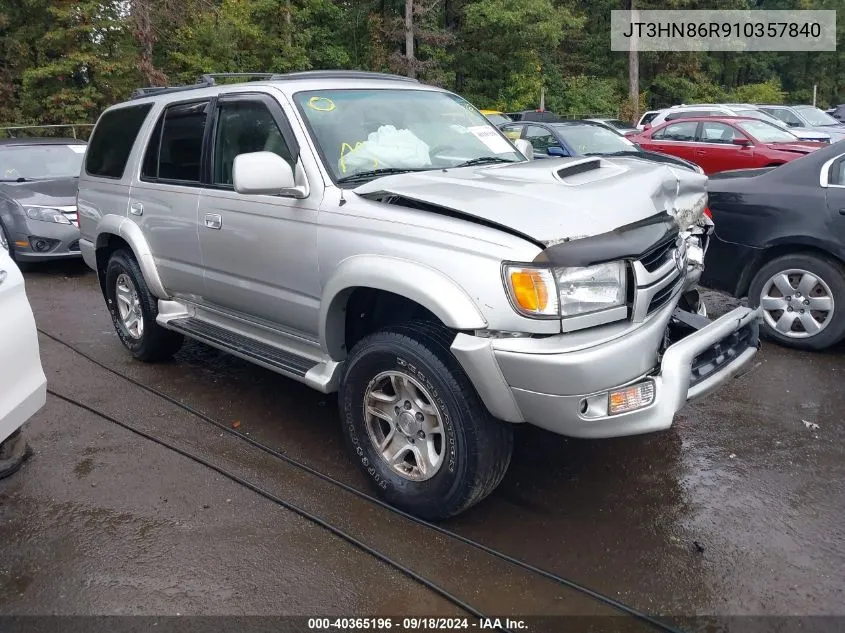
(213, 221)
(136, 208)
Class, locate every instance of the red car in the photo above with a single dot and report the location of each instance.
(722, 143)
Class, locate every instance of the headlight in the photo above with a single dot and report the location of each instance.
(46, 214)
(563, 292)
(591, 289)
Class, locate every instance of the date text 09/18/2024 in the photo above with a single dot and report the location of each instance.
(413, 624)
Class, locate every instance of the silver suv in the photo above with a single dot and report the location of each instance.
(369, 235)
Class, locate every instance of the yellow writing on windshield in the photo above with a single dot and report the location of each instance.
(321, 104)
(346, 148)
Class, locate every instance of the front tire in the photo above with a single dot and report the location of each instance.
(803, 299)
(133, 310)
(415, 425)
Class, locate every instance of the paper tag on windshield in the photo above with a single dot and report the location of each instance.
(79, 149)
(492, 139)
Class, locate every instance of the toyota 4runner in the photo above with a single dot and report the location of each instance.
(376, 237)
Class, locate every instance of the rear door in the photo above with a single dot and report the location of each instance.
(676, 139)
(835, 195)
(717, 152)
(164, 200)
(22, 381)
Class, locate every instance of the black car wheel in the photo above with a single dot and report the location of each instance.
(415, 425)
(803, 300)
(134, 309)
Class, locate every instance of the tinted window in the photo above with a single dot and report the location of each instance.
(113, 138)
(648, 117)
(244, 127)
(541, 139)
(837, 173)
(718, 133)
(180, 144)
(684, 131)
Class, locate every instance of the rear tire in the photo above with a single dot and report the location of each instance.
(474, 449)
(134, 309)
(801, 281)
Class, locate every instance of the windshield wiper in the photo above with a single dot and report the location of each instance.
(482, 160)
(375, 173)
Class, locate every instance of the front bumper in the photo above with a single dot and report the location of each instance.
(561, 383)
(59, 241)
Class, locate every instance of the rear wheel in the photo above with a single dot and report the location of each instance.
(416, 426)
(134, 309)
(803, 300)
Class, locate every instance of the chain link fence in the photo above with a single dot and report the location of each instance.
(64, 130)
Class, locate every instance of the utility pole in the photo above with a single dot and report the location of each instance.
(409, 37)
(815, 87)
(634, 68)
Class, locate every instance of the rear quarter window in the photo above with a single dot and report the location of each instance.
(114, 136)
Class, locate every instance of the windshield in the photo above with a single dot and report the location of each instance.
(766, 132)
(40, 162)
(594, 139)
(369, 130)
(498, 119)
(762, 116)
(814, 116)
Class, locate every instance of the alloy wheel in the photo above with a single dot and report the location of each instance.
(797, 303)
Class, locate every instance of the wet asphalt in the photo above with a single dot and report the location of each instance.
(737, 510)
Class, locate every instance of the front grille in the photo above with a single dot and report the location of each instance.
(73, 246)
(725, 351)
(655, 258)
(662, 297)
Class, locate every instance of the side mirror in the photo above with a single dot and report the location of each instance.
(556, 150)
(744, 142)
(525, 148)
(264, 173)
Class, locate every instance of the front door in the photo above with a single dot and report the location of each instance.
(717, 152)
(259, 251)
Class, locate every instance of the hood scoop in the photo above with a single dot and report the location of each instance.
(579, 167)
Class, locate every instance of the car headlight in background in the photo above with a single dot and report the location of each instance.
(590, 289)
(541, 292)
(46, 214)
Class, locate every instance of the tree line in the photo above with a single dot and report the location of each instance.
(64, 61)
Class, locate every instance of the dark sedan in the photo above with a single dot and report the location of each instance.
(38, 183)
(780, 241)
(583, 138)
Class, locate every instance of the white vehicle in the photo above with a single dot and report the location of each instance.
(646, 118)
(23, 386)
(733, 109)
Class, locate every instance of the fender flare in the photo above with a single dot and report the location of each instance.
(417, 282)
(131, 233)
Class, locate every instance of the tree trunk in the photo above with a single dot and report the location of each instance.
(146, 38)
(409, 37)
(634, 69)
(288, 27)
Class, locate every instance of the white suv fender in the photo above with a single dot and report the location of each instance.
(424, 285)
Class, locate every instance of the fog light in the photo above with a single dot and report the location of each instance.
(41, 244)
(630, 398)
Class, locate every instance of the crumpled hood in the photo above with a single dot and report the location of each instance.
(59, 192)
(554, 200)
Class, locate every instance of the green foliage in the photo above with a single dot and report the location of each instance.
(66, 60)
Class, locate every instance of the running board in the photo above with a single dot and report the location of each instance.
(260, 353)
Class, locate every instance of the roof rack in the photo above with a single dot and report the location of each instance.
(210, 79)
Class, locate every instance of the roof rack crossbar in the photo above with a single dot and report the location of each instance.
(210, 79)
